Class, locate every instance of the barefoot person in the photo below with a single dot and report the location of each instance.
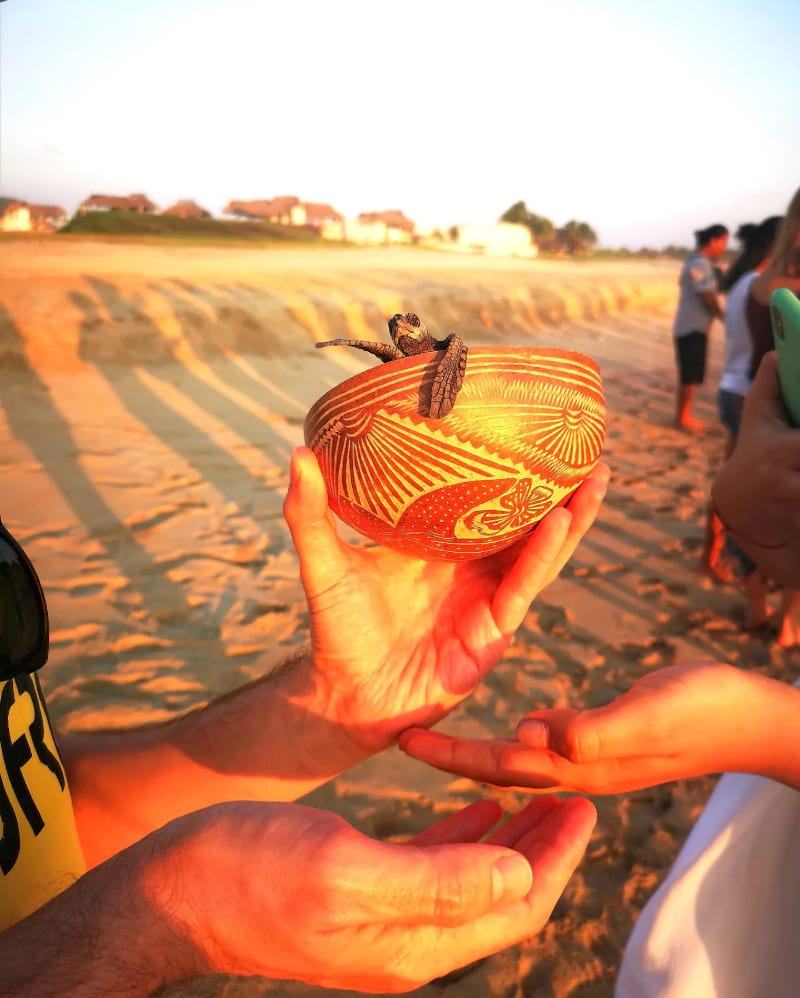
(720, 558)
(197, 860)
(698, 306)
(724, 556)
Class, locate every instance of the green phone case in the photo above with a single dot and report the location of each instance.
(784, 308)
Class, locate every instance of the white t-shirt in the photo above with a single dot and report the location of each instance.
(724, 923)
(697, 278)
(738, 344)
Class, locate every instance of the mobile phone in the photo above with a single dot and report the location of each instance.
(784, 308)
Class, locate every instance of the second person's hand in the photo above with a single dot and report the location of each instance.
(673, 723)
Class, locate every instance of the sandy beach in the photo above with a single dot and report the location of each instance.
(151, 396)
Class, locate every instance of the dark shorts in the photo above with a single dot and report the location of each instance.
(743, 564)
(729, 406)
(690, 351)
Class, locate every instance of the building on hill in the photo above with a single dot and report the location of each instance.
(20, 216)
(186, 209)
(284, 210)
(497, 239)
(248, 211)
(371, 228)
(111, 202)
(398, 227)
(15, 215)
(317, 215)
(47, 217)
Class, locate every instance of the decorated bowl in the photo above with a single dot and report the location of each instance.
(526, 429)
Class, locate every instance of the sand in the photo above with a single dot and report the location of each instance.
(151, 396)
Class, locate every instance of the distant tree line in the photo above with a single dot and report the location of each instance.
(574, 237)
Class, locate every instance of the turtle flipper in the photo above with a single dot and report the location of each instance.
(449, 376)
(383, 351)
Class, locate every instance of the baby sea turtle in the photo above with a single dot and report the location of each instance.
(410, 336)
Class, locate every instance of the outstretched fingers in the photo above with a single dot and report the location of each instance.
(548, 549)
(554, 847)
(531, 858)
(437, 885)
(498, 761)
(764, 397)
(470, 824)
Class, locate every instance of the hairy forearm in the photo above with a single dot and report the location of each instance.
(102, 936)
(275, 739)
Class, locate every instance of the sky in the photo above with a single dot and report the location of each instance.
(645, 120)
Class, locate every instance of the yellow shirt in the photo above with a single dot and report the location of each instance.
(40, 854)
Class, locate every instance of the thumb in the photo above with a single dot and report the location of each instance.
(764, 397)
(442, 885)
(322, 555)
(620, 729)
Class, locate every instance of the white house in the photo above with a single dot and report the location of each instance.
(498, 239)
(15, 216)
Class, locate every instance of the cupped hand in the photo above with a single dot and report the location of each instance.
(399, 640)
(289, 892)
(677, 722)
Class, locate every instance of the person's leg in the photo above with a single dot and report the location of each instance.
(685, 420)
(789, 633)
(756, 611)
(691, 356)
(715, 558)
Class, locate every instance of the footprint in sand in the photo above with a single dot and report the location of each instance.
(151, 518)
(652, 654)
(653, 588)
(553, 620)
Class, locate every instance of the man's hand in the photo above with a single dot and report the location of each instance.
(683, 721)
(289, 892)
(401, 641)
(757, 491)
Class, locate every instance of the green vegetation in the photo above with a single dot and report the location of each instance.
(129, 223)
(574, 237)
(541, 228)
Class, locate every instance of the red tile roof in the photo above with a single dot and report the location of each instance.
(112, 202)
(393, 218)
(187, 209)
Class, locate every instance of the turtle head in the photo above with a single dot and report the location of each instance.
(409, 333)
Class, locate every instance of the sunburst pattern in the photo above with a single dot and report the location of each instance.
(531, 415)
(391, 460)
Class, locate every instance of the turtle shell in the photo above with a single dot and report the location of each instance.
(526, 429)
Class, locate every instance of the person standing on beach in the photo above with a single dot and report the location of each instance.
(722, 558)
(781, 271)
(743, 353)
(698, 306)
